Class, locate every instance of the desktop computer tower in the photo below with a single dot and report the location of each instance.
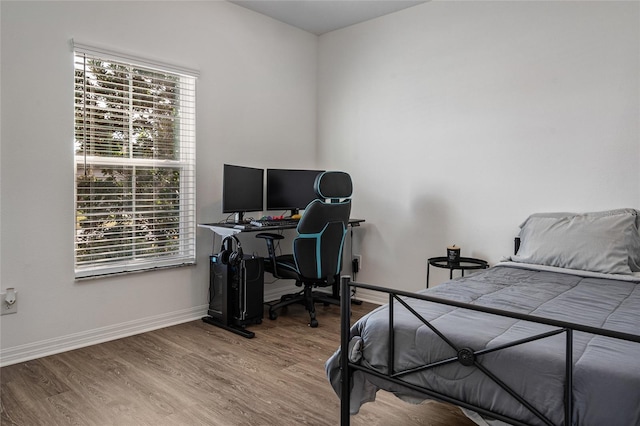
(236, 290)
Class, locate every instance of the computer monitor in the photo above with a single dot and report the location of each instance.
(290, 189)
(242, 190)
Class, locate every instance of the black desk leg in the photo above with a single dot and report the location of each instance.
(229, 327)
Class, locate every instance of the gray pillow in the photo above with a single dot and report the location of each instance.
(607, 242)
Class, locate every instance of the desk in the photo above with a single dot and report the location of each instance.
(227, 229)
(465, 263)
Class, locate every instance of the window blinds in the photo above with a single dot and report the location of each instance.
(135, 164)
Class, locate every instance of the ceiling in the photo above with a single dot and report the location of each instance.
(321, 16)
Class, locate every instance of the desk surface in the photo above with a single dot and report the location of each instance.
(223, 228)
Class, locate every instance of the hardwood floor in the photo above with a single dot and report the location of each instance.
(198, 374)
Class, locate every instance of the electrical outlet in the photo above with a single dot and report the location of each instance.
(8, 309)
(357, 258)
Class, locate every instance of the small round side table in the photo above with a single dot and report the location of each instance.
(465, 264)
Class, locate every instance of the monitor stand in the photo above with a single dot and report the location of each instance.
(239, 217)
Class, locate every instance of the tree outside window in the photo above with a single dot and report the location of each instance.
(135, 160)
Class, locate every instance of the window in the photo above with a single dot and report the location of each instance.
(134, 164)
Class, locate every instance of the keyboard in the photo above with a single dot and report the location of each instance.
(276, 222)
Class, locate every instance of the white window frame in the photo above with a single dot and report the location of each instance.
(184, 253)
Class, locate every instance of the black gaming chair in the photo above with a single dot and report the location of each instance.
(316, 260)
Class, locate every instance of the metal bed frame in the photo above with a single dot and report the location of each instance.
(465, 355)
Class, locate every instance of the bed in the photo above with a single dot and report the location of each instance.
(549, 336)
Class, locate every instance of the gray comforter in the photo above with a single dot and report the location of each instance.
(606, 371)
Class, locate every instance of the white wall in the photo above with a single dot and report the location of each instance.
(458, 119)
(256, 97)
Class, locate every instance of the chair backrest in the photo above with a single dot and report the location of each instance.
(322, 229)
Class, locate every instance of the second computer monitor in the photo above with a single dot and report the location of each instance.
(289, 189)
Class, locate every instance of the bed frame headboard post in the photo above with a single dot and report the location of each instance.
(345, 373)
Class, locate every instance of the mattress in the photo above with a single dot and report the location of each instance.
(606, 371)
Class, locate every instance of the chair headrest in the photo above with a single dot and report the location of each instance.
(333, 185)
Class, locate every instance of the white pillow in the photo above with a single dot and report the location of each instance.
(607, 242)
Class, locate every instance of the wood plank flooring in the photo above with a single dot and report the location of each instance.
(198, 374)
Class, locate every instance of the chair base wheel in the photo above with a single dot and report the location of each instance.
(313, 323)
(272, 315)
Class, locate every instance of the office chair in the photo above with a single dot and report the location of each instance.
(316, 260)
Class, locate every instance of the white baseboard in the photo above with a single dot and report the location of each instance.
(274, 292)
(83, 339)
(48, 347)
(374, 297)
(69, 342)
